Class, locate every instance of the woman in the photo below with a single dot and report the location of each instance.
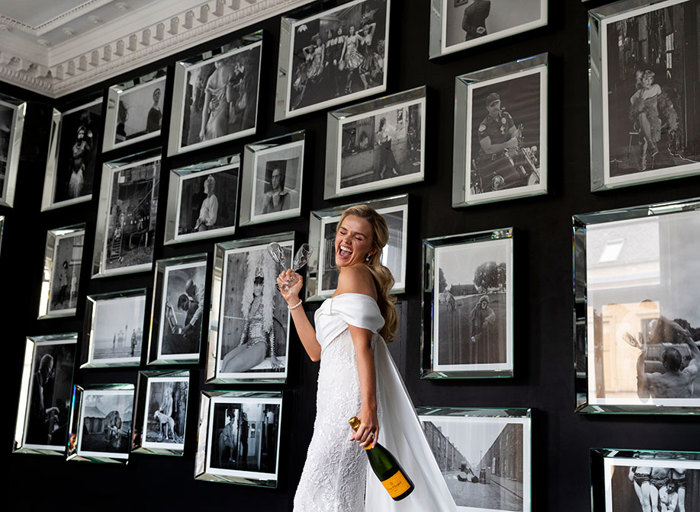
(645, 111)
(358, 378)
(387, 161)
(215, 116)
(351, 57)
(209, 210)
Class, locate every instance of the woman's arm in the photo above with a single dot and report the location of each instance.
(368, 433)
(305, 330)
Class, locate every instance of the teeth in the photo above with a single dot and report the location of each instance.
(345, 251)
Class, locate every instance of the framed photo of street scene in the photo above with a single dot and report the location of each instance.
(62, 263)
(500, 137)
(333, 57)
(12, 112)
(643, 92)
(376, 144)
(468, 305)
(638, 270)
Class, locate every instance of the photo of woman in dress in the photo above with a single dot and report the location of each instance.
(209, 208)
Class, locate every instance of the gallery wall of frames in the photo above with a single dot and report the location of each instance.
(538, 166)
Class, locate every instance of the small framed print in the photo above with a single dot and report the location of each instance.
(468, 305)
(12, 112)
(177, 310)
(45, 394)
(239, 437)
(114, 329)
(202, 200)
(126, 215)
(72, 160)
(134, 110)
(485, 456)
(249, 321)
(500, 136)
(322, 273)
(456, 25)
(101, 423)
(215, 95)
(273, 172)
(377, 144)
(62, 263)
(643, 104)
(332, 57)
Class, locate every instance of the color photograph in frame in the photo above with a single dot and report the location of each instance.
(12, 112)
(61, 276)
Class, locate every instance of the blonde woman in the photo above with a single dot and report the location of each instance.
(209, 210)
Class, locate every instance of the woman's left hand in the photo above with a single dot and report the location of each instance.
(368, 432)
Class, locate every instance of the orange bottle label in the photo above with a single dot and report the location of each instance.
(396, 485)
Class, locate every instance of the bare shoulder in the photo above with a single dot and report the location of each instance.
(356, 279)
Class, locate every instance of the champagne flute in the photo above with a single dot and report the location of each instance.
(301, 258)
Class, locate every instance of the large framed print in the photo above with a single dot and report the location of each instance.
(376, 144)
(322, 273)
(177, 310)
(273, 172)
(636, 276)
(202, 200)
(72, 158)
(126, 215)
(249, 320)
(332, 57)
(134, 110)
(215, 95)
(12, 112)
(468, 305)
(45, 394)
(485, 456)
(500, 138)
(62, 263)
(239, 437)
(643, 92)
(456, 25)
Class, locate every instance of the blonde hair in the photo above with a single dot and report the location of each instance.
(382, 275)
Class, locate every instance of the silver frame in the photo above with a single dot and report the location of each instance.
(462, 158)
(53, 237)
(334, 135)
(7, 193)
(2, 230)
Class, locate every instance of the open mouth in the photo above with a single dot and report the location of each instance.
(344, 252)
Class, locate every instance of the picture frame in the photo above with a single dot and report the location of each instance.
(632, 269)
(106, 343)
(235, 354)
(126, 215)
(363, 142)
(45, 394)
(12, 113)
(143, 94)
(302, 68)
(71, 164)
(2, 230)
(322, 274)
(260, 201)
(484, 446)
(457, 25)
(61, 277)
(203, 200)
(220, 428)
(642, 121)
(233, 71)
(96, 436)
(175, 334)
(496, 159)
(467, 303)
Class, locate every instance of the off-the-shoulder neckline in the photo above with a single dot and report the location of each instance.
(354, 293)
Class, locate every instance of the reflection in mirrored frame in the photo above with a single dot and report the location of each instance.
(61, 276)
(12, 112)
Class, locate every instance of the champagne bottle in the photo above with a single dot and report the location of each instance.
(386, 467)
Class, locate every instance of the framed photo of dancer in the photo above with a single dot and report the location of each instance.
(332, 57)
(640, 277)
(72, 159)
(61, 277)
(215, 95)
(126, 215)
(643, 93)
(457, 25)
(239, 437)
(249, 320)
(500, 138)
(202, 200)
(273, 172)
(45, 395)
(474, 447)
(468, 305)
(12, 112)
(377, 144)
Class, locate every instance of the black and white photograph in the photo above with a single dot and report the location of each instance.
(12, 112)
(336, 56)
(106, 417)
(64, 254)
(485, 460)
(165, 413)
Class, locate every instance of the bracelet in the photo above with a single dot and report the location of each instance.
(295, 305)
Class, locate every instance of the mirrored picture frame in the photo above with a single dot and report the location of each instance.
(376, 144)
(12, 112)
(221, 415)
(2, 230)
(63, 259)
(495, 159)
(467, 300)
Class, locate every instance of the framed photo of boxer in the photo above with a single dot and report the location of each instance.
(61, 277)
(12, 112)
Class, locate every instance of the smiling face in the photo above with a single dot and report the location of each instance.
(353, 241)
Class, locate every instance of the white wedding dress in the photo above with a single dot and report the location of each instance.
(336, 476)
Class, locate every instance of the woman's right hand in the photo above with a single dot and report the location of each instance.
(289, 284)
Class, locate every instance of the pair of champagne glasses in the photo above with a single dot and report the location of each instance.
(301, 258)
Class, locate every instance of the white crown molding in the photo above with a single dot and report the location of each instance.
(55, 22)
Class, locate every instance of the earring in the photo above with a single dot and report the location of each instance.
(368, 257)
